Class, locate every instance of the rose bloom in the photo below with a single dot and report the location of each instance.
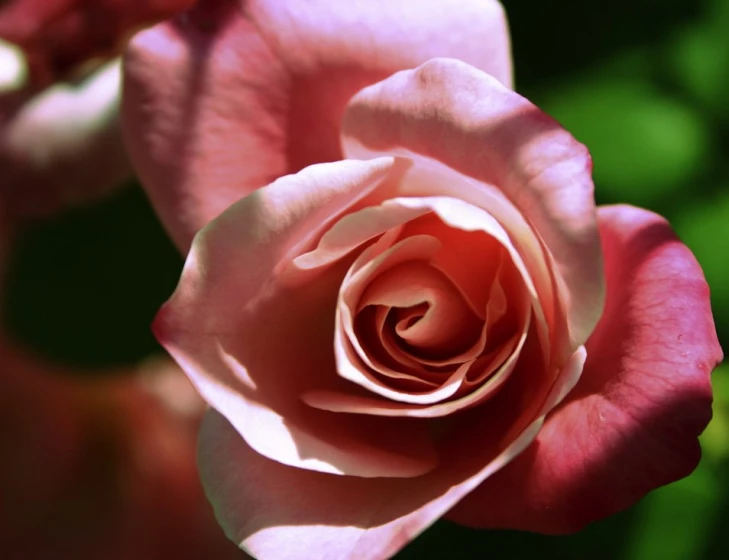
(441, 323)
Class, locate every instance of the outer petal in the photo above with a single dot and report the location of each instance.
(274, 511)
(277, 512)
(631, 424)
(227, 98)
(457, 115)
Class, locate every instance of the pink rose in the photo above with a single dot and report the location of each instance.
(442, 322)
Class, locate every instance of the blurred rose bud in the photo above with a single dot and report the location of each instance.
(60, 143)
(60, 35)
(101, 468)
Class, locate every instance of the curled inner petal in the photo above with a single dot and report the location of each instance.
(426, 313)
(432, 314)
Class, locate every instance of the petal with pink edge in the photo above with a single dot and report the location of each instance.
(380, 260)
(631, 423)
(274, 511)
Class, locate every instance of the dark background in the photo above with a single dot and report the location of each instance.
(644, 83)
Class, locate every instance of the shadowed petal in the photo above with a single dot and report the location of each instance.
(278, 512)
(631, 424)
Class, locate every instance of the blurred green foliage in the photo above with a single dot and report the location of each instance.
(645, 144)
(644, 83)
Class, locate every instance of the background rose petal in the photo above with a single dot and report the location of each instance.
(102, 468)
(61, 35)
(632, 422)
(61, 145)
(232, 95)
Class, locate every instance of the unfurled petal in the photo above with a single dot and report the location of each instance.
(279, 512)
(631, 424)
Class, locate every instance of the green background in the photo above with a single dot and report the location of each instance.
(645, 84)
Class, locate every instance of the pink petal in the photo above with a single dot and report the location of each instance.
(430, 313)
(354, 363)
(356, 228)
(490, 371)
(251, 344)
(471, 262)
(384, 345)
(227, 98)
(277, 512)
(632, 422)
(349, 401)
(457, 115)
(274, 511)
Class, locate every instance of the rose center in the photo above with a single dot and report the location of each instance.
(432, 313)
